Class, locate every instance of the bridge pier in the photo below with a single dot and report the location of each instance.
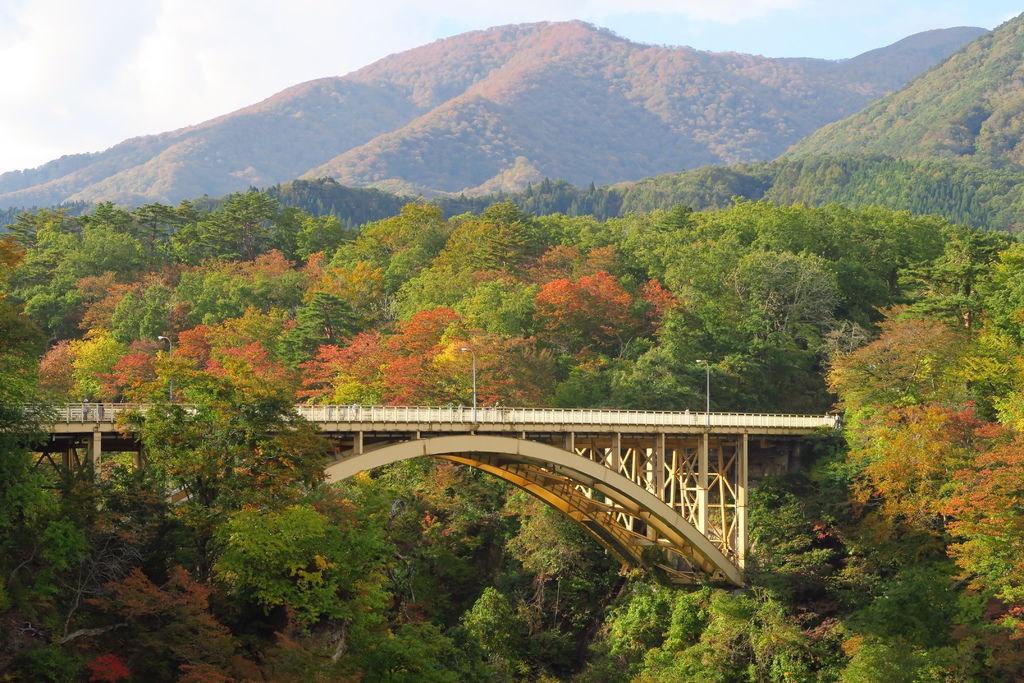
(94, 450)
(742, 467)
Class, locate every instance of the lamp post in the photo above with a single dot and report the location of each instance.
(170, 380)
(707, 390)
(473, 356)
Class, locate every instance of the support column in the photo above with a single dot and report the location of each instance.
(702, 485)
(723, 503)
(95, 451)
(741, 502)
(357, 444)
(659, 467)
(570, 442)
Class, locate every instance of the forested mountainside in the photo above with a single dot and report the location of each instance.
(890, 555)
(493, 110)
(972, 106)
(961, 191)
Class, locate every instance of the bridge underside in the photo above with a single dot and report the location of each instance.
(642, 498)
(659, 490)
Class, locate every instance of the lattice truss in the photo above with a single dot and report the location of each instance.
(670, 468)
(712, 500)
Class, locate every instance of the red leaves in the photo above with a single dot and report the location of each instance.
(169, 623)
(108, 667)
(422, 364)
(133, 371)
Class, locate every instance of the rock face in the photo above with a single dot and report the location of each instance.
(496, 109)
(971, 106)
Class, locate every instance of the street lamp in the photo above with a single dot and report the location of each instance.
(473, 355)
(707, 390)
(170, 380)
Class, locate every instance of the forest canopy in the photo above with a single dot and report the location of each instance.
(888, 554)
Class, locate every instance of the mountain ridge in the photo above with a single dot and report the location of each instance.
(969, 106)
(517, 103)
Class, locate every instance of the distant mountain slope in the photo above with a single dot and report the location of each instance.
(496, 109)
(972, 105)
(960, 190)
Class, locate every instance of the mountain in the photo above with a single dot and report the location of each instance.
(493, 110)
(970, 106)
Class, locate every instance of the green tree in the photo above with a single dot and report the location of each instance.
(235, 446)
(321, 562)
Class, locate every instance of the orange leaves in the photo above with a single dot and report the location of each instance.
(172, 621)
(988, 508)
(133, 371)
(594, 310)
(55, 370)
(373, 368)
(913, 361)
(908, 458)
(660, 300)
(250, 366)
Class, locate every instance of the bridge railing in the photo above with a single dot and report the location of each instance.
(93, 413)
(553, 416)
(108, 412)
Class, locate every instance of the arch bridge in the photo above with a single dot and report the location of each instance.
(665, 490)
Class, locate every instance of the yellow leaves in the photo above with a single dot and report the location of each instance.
(92, 358)
(359, 286)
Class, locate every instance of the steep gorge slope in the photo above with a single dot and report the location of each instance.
(495, 109)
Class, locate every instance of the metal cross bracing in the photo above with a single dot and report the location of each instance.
(664, 490)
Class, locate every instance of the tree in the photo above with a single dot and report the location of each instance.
(237, 445)
(988, 522)
(491, 622)
(94, 360)
(593, 310)
(320, 562)
(502, 239)
(951, 285)
(170, 626)
(907, 459)
(912, 362)
(241, 230)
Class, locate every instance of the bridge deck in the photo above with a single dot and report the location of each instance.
(346, 418)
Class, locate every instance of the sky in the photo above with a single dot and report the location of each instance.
(83, 75)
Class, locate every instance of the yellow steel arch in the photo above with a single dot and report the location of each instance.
(542, 458)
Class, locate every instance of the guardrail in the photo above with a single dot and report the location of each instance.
(108, 412)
